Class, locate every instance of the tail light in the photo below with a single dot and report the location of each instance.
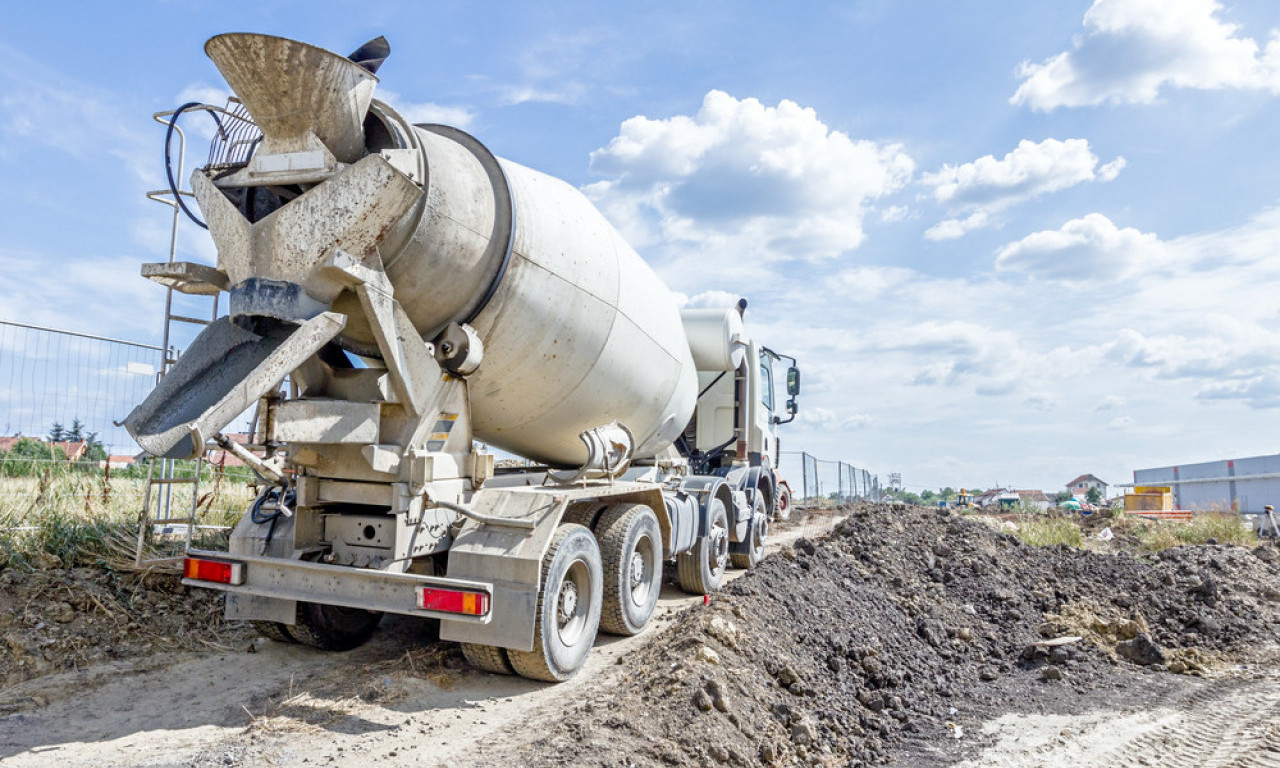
(218, 571)
(453, 601)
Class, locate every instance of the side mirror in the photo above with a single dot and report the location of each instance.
(791, 406)
(793, 382)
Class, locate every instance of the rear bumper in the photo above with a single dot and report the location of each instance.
(508, 624)
(297, 580)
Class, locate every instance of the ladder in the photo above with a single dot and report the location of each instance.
(165, 524)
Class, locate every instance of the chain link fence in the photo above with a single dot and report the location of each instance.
(61, 454)
(818, 482)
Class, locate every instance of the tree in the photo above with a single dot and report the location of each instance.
(927, 495)
(1061, 497)
(1094, 496)
(56, 433)
(93, 450)
(76, 433)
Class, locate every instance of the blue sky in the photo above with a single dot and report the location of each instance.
(1010, 242)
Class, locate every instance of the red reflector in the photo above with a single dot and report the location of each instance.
(453, 601)
(213, 570)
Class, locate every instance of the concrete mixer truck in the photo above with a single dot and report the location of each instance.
(399, 300)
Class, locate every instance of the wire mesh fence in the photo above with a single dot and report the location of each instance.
(63, 458)
(817, 482)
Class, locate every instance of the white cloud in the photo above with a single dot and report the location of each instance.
(830, 421)
(987, 186)
(1110, 402)
(428, 111)
(743, 181)
(709, 300)
(1083, 250)
(1120, 422)
(1131, 49)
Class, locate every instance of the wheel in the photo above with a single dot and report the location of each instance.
(274, 630)
(631, 548)
(333, 627)
(745, 554)
(568, 611)
(490, 658)
(701, 569)
(782, 509)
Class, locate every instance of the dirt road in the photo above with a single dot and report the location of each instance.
(406, 700)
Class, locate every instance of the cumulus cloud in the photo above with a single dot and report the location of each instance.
(428, 111)
(740, 178)
(1131, 49)
(709, 300)
(986, 186)
(1083, 250)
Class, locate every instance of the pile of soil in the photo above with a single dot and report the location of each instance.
(55, 619)
(902, 629)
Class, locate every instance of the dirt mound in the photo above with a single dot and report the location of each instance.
(56, 620)
(904, 627)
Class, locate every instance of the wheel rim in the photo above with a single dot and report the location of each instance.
(762, 532)
(718, 552)
(640, 576)
(572, 603)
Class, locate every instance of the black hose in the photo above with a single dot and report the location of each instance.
(256, 515)
(168, 159)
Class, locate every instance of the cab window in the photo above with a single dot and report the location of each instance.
(766, 381)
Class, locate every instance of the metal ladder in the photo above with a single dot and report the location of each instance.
(161, 527)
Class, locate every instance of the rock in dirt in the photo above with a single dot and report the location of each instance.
(1140, 650)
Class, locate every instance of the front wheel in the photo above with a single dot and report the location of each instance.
(701, 569)
(631, 547)
(782, 508)
(568, 610)
(747, 553)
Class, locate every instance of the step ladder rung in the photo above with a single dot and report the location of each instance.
(192, 320)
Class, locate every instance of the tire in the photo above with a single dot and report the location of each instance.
(631, 550)
(782, 509)
(745, 554)
(274, 630)
(701, 569)
(333, 627)
(568, 611)
(489, 658)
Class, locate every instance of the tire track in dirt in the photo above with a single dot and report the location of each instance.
(1229, 723)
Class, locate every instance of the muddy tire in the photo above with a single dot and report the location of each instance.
(701, 569)
(782, 508)
(568, 611)
(333, 627)
(631, 550)
(274, 630)
(745, 554)
(489, 658)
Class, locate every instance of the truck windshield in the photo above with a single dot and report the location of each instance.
(766, 380)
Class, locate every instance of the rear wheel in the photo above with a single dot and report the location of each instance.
(490, 658)
(745, 554)
(701, 569)
(568, 610)
(631, 549)
(333, 627)
(274, 630)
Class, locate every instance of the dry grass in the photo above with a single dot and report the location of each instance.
(1047, 531)
(1204, 528)
(83, 518)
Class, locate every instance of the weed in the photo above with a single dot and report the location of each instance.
(1046, 531)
